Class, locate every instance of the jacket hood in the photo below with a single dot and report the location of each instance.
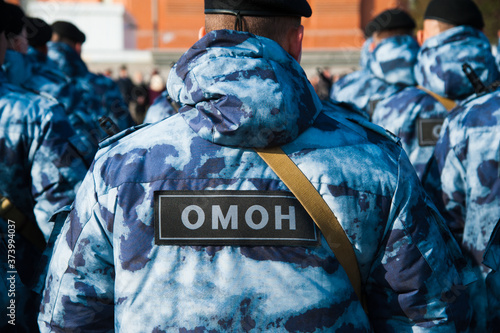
(393, 60)
(439, 66)
(18, 69)
(242, 90)
(67, 59)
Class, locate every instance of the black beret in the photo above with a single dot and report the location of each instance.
(38, 31)
(2, 16)
(68, 30)
(259, 7)
(14, 19)
(456, 12)
(388, 20)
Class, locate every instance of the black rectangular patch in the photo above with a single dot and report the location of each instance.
(428, 131)
(246, 218)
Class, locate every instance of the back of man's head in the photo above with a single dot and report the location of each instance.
(442, 15)
(268, 18)
(64, 31)
(455, 13)
(391, 22)
(14, 20)
(38, 31)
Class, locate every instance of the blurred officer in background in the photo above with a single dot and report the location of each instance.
(39, 33)
(33, 74)
(389, 67)
(498, 50)
(102, 92)
(126, 263)
(469, 138)
(40, 171)
(448, 41)
(162, 108)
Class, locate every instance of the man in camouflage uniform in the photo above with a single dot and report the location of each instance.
(29, 72)
(102, 92)
(242, 91)
(468, 158)
(452, 39)
(40, 171)
(492, 260)
(389, 65)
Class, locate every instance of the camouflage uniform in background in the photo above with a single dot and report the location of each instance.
(468, 157)
(40, 171)
(415, 116)
(21, 69)
(364, 56)
(498, 53)
(492, 260)
(389, 70)
(107, 272)
(102, 93)
(160, 109)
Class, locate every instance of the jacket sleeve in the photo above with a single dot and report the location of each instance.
(57, 167)
(418, 281)
(79, 288)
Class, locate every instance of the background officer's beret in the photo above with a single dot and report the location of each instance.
(2, 16)
(38, 31)
(68, 30)
(259, 7)
(390, 19)
(14, 19)
(456, 12)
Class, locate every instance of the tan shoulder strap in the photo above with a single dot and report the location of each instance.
(317, 208)
(29, 230)
(449, 104)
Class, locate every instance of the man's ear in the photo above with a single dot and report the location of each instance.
(295, 38)
(78, 48)
(202, 32)
(420, 37)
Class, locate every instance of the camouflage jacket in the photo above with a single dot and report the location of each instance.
(389, 69)
(160, 109)
(417, 117)
(26, 71)
(40, 171)
(468, 156)
(364, 55)
(108, 272)
(492, 260)
(103, 95)
(498, 54)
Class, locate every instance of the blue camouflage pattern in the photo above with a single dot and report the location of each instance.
(439, 69)
(400, 114)
(102, 93)
(160, 109)
(364, 55)
(108, 274)
(498, 53)
(440, 60)
(28, 72)
(40, 171)
(389, 69)
(468, 156)
(492, 260)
